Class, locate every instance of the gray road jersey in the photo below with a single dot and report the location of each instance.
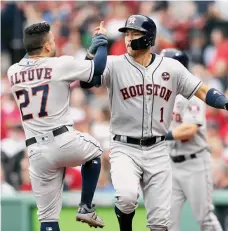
(189, 111)
(142, 99)
(41, 89)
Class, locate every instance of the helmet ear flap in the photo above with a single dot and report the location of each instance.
(138, 44)
(152, 36)
(142, 43)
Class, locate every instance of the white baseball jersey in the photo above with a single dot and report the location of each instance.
(189, 111)
(142, 99)
(41, 88)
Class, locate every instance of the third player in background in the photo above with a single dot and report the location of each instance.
(191, 160)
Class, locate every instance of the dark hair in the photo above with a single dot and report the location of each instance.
(35, 37)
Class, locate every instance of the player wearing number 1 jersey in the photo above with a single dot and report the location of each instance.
(40, 84)
(142, 88)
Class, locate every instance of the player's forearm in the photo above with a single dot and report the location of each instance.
(96, 80)
(202, 92)
(183, 132)
(212, 97)
(100, 60)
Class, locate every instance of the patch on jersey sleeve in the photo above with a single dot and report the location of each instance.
(194, 108)
(165, 76)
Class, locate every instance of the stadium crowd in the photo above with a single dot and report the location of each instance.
(199, 28)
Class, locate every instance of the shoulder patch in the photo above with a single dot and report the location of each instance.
(165, 76)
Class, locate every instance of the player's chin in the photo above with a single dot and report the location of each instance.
(130, 51)
(133, 53)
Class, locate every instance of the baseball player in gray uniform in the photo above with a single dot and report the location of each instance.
(40, 85)
(191, 160)
(142, 88)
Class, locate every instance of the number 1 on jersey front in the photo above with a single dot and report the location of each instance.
(162, 112)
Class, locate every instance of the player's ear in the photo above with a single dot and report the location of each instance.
(47, 47)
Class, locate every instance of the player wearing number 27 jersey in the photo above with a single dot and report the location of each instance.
(40, 85)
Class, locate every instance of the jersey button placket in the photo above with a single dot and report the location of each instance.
(146, 106)
(148, 102)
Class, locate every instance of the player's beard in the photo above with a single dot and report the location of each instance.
(135, 53)
(130, 51)
(132, 54)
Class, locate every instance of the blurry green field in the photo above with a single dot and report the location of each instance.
(68, 223)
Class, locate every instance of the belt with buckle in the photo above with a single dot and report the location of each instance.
(143, 142)
(179, 159)
(55, 132)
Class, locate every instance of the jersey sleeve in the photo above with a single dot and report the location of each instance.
(187, 83)
(106, 77)
(194, 112)
(70, 69)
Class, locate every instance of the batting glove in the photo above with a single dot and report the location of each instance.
(97, 40)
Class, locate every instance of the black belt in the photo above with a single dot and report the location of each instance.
(143, 142)
(179, 159)
(55, 132)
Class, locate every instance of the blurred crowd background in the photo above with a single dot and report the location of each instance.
(198, 27)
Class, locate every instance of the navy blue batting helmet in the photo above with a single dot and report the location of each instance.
(179, 55)
(144, 24)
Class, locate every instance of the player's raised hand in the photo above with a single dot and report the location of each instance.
(99, 39)
(101, 29)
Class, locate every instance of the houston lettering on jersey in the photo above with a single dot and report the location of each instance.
(137, 90)
(30, 75)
